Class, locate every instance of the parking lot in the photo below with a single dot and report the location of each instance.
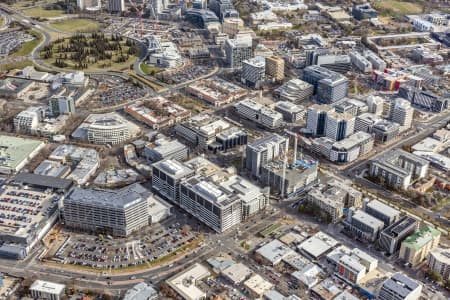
(10, 41)
(104, 252)
(185, 74)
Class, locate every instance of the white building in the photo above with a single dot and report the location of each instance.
(237, 50)
(259, 113)
(47, 290)
(422, 25)
(339, 126)
(254, 71)
(360, 62)
(29, 119)
(185, 283)
(402, 113)
(439, 262)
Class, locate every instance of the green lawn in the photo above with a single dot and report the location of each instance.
(396, 7)
(76, 25)
(27, 47)
(147, 69)
(43, 13)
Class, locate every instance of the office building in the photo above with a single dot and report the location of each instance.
(345, 106)
(363, 11)
(203, 18)
(366, 121)
(258, 113)
(423, 99)
(220, 7)
(163, 148)
(439, 262)
(28, 120)
(415, 248)
(291, 112)
(339, 126)
(167, 175)
(61, 105)
(292, 179)
(363, 225)
(295, 90)
(323, 57)
(316, 119)
(116, 6)
(398, 168)
(275, 67)
(264, 150)
(328, 85)
(381, 211)
(229, 139)
(400, 287)
(116, 212)
(237, 51)
(392, 236)
(375, 104)
(377, 63)
(402, 114)
(47, 290)
(385, 131)
(254, 71)
(352, 147)
(360, 62)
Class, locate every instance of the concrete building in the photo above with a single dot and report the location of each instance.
(216, 91)
(16, 152)
(185, 283)
(385, 131)
(116, 6)
(237, 50)
(439, 262)
(291, 112)
(229, 139)
(274, 252)
(366, 121)
(316, 119)
(363, 11)
(236, 273)
(47, 290)
(258, 113)
(400, 287)
(317, 246)
(339, 126)
(292, 179)
(231, 26)
(402, 114)
(141, 291)
(163, 148)
(350, 148)
(377, 63)
(381, 211)
(360, 62)
(350, 269)
(28, 120)
(324, 58)
(61, 105)
(375, 104)
(275, 67)
(329, 201)
(363, 225)
(257, 286)
(392, 236)
(415, 248)
(254, 71)
(398, 168)
(328, 85)
(295, 90)
(116, 212)
(264, 150)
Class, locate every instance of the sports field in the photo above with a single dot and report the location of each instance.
(76, 25)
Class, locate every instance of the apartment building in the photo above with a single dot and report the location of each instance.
(402, 113)
(363, 225)
(415, 248)
(329, 86)
(237, 51)
(439, 262)
(264, 150)
(275, 67)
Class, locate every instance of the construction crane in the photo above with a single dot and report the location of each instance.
(140, 10)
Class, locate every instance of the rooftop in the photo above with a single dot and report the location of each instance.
(367, 219)
(14, 150)
(258, 285)
(318, 244)
(184, 283)
(421, 237)
(401, 284)
(237, 272)
(274, 251)
(383, 208)
(47, 287)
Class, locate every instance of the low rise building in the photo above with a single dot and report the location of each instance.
(163, 148)
(381, 211)
(415, 248)
(257, 286)
(236, 273)
(216, 91)
(141, 291)
(385, 131)
(185, 283)
(318, 245)
(325, 290)
(259, 113)
(309, 276)
(16, 152)
(47, 290)
(274, 252)
(157, 112)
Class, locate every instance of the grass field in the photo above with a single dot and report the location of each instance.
(76, 25)
(17, 65)
(27, 47)
(36, 12)
(147, 69)
(395, 7)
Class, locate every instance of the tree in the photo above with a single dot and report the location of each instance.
(435, 276)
